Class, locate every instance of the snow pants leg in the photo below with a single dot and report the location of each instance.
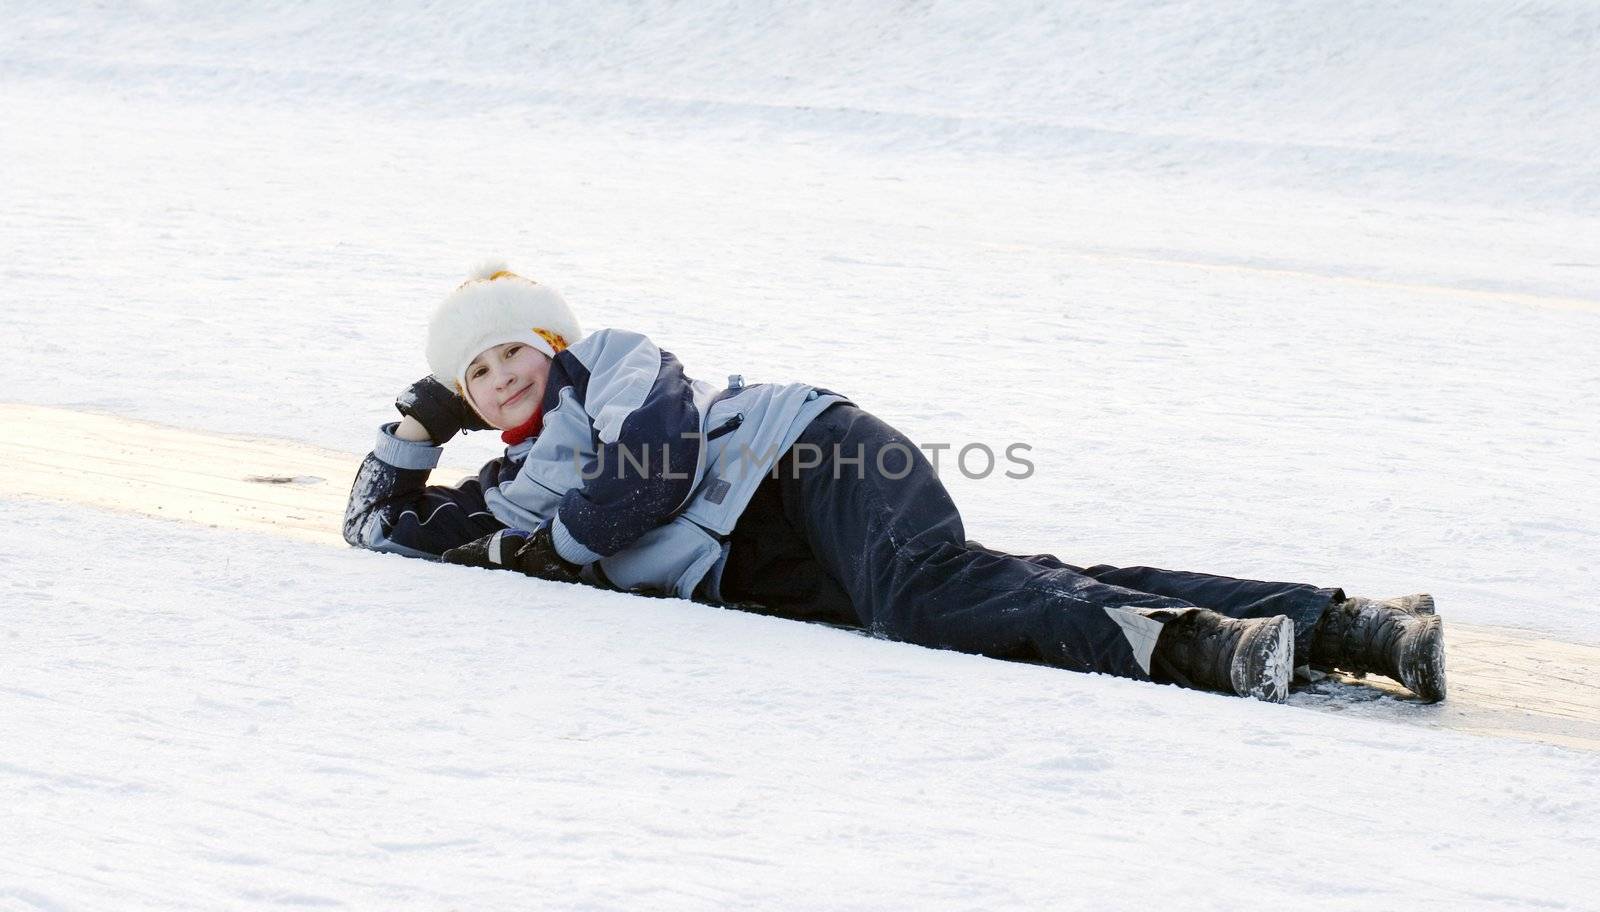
(856, 527)
(1240, 598)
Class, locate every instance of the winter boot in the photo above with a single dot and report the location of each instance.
(1402, 638)
(1251, 657)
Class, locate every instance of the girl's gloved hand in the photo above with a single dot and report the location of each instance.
(531, 553)
(438, 408)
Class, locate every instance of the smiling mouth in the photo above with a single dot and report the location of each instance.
(519, 394)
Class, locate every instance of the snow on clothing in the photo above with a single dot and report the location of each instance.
(834, 539)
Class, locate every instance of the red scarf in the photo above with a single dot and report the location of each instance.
(529, 428)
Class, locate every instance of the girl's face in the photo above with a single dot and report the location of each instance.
(506, 383)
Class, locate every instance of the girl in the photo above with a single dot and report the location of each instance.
(621, 471)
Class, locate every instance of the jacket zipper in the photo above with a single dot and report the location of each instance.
(727, 427)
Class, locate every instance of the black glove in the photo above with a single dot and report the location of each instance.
(532, 553)
(438, 409)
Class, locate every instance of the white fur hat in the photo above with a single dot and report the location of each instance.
(492, 307)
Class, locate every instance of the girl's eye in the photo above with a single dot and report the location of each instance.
(512, 351)
(478, 372)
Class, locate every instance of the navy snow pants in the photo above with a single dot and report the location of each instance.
(832, 538)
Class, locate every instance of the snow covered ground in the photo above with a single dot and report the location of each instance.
(1285, 290)
(287, 725)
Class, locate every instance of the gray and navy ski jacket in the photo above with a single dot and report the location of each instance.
(641, 471)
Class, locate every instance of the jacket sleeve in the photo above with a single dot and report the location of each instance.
(393, 508)
(647, 426)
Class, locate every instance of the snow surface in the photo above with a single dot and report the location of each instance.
(1303, 291)
(289, 725)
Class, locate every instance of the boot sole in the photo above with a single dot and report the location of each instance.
(1263, 662)
(1422, 663)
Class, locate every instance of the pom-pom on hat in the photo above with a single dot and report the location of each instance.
(492, 307)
